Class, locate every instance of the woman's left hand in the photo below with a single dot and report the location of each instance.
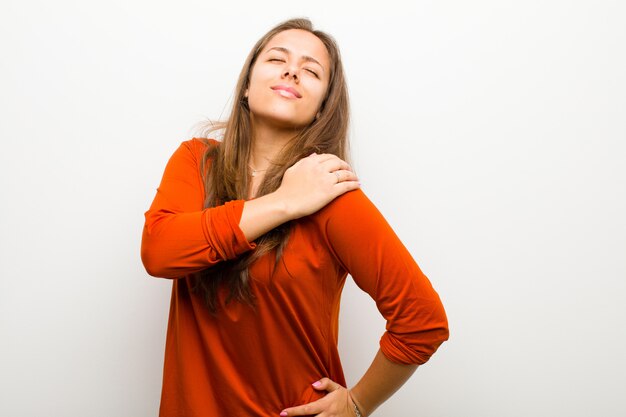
(337, 403)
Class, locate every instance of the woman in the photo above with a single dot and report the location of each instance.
(258, 233)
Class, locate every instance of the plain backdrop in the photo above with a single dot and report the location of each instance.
(491, 135)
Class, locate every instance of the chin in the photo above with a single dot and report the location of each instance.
(290, 125)
(285, 122)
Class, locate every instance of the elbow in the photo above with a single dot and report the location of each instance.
(429, 340)
(152, 258)
(160, 261)
(417, 340)
(155, 253)
(151, 267)
(438, 331)
(438, 336)
(155, 266)
(151, 263)
(413, 348)
(433, 325)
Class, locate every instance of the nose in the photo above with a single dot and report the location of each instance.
(291, 71)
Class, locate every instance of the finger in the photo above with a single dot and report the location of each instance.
(315, 159)
(328, 157)
(344, 187)
(312, 408)
(322, 157)
(326, 384)
(345, 175)
(335, 164)
(307, 159)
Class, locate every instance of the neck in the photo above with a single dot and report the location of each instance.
(267, 143)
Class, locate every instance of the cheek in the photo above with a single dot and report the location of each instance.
(320, 94)
(264, 73)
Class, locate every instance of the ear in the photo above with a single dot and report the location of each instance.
(245, 94)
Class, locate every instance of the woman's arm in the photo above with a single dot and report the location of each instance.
(381, 381)
(180, 237)
(366, 246)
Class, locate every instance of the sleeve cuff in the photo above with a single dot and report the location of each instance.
(240, 243)
(397, 351)
(224, 233)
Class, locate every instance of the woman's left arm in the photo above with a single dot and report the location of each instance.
(380, 382)
(367, 247)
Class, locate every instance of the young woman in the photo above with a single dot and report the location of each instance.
(258, 232)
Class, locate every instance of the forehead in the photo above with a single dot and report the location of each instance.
(299, 43)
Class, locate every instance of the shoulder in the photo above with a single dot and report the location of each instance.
(198, 146)
(359, 236)
(353, 207)
(193, 151)
(190, 154)
(352, 200)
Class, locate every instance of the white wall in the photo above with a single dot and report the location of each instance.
(491, 134)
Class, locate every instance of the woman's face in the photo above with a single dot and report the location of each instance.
(289, 80)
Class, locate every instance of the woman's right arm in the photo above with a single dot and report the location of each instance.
(180, 237)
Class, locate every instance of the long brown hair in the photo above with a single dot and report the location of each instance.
(228, 177)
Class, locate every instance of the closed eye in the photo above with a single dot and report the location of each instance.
(303, 58)
(282, 60)
(312, 72)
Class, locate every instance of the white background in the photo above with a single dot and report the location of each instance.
(491, 134)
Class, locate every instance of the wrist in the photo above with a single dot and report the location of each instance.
(262, 214)
(282, 204)
(356, 408)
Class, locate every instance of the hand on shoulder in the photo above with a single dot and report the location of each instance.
(313, 182)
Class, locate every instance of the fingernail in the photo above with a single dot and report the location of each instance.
(317, 384)
(283, 414)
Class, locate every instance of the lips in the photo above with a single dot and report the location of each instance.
(288, 89)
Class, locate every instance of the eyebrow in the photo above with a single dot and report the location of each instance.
(303, 57)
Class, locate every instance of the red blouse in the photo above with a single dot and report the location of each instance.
(247, 362)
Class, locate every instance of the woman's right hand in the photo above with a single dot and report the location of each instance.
(307, 186)
(313, 182)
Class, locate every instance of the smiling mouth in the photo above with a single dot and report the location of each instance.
(286, 91)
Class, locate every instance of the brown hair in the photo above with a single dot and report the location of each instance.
(229, 175)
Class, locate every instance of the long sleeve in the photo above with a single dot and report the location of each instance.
(370, 251)
(179, 236)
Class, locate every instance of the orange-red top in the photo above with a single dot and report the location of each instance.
(256, 363)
